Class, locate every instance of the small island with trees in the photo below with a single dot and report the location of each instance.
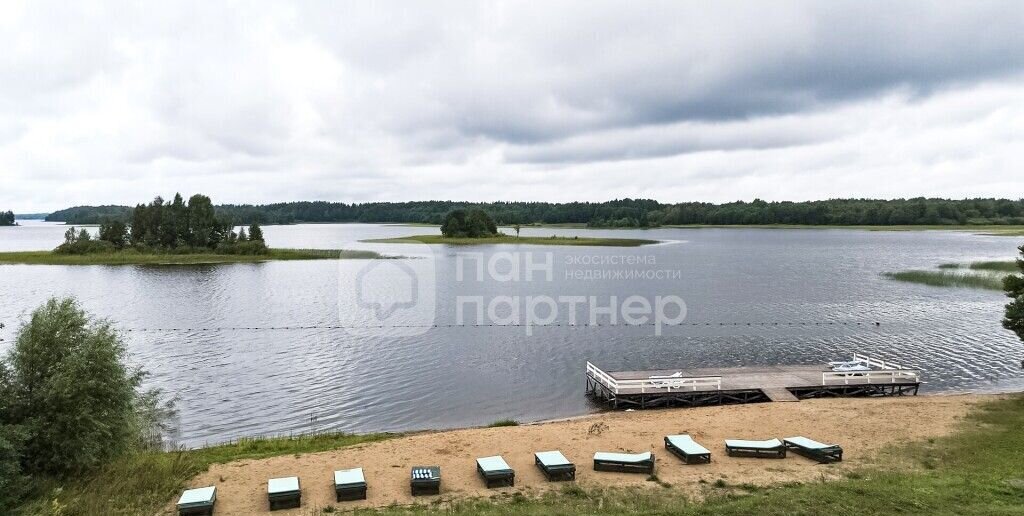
(474, 226)
(173, 232)
(7, 218)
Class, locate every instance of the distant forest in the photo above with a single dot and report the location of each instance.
(617, 213)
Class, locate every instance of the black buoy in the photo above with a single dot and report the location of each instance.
(877, 323)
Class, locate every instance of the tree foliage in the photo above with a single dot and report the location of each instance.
(174, 227)
(473, 223)
(6, 218)
(72, 393)
(620, 212)
(1014, 287)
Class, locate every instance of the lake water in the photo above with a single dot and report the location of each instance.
(753, 297)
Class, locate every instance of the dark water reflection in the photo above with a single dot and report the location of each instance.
(808, 296)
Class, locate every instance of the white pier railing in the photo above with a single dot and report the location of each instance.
(886, 372)
(654, 383)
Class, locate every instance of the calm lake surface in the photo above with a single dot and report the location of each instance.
(809, 296)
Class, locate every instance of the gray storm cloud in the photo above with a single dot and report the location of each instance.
(359, 101)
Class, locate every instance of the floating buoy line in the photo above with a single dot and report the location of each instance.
(516, 325)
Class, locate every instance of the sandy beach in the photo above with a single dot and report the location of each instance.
(863, 427)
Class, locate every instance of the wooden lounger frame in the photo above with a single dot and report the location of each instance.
(556, 473)
(289, 500)
(688, 458)
(206, 510)
(826, 455)
(506, 478)
(349, 492)
(778, 452)
(646, 466)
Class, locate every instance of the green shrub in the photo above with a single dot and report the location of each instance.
(70, 391)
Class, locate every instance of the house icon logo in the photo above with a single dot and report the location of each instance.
(391, 296)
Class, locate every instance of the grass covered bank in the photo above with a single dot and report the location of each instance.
(508, 239)
(984, 275)
(143, 483)
(974, 471)
(980, 229)
(129, 257)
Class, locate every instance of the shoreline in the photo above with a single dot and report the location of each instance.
(135, 258)
(863, 426)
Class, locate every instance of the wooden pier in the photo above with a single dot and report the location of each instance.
(696, 387)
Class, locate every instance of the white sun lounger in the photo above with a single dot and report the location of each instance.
(770, 448)
(284, 493)
(624, 462)
(197, 502)
(495, 471)
(349, 484)
(823, 453)
(684, 447)
(555, 466)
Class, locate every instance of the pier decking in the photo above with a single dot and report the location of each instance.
(694, 387)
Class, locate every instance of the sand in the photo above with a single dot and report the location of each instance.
(863, 427)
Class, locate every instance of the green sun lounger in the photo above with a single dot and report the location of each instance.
(197, 502)
(284, 493)
(425, 480)
(555, 466)
(496, 472)
(684, 447)
(823, 453)
(768, 449)
(349, 484)
(624, 462)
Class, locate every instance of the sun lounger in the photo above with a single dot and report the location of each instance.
(823, 453)
(684, 447)
(284, 493)
(426, 480)
(495, 472)
(555, 466)
(349, 484)
(197, 502)
(624, 462)
(769, 449)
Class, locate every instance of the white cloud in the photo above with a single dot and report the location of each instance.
(259, 102)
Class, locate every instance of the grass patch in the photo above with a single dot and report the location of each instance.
(985, 275)
(503, 422)
(142, 483)
(976, 471)
(509, 239)
(981, 229)
(136, 258)
(999, 266)
(948, 279)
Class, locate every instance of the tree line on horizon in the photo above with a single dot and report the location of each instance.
(174, 226)
(617, 213)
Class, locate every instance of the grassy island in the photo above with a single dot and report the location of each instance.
(984, 275)
(130, 257)
(508, 239)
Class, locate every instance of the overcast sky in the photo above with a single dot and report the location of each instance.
(114, 103)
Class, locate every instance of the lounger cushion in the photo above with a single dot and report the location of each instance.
(201, 497)
(810, 444)
(493, 464)
(552, 459)
(283, 485)
(622, 457)
(687, 445)
(740, 443)
(346, 477)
